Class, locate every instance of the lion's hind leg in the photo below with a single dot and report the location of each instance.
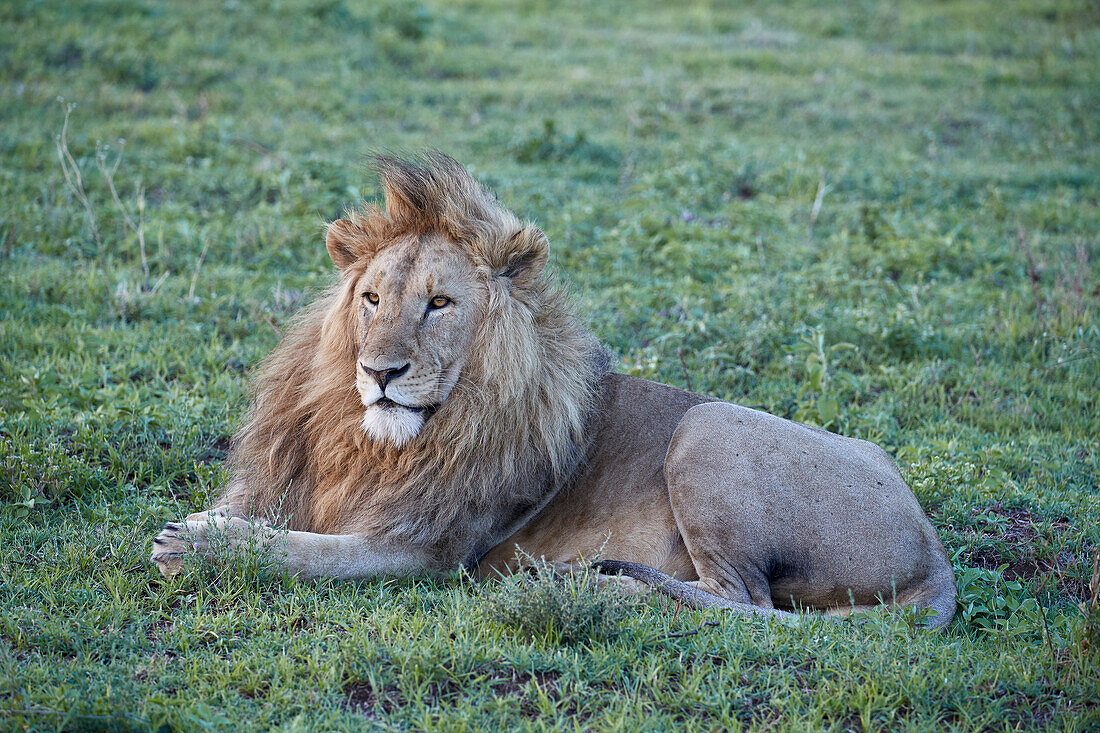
(796, 514)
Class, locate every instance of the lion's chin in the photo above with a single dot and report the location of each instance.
(392, 424)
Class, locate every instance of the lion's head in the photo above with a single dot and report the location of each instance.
(442, 372)
(423, 273)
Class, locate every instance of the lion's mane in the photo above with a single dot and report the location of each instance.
(512, 430)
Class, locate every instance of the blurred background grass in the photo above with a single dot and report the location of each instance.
(734, 192)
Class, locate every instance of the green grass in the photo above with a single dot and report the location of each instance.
(673, 152)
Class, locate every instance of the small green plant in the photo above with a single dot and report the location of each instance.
(819, 399)
(27, 501)
(33, 475)
(551, 144)
(990, 603)
(558, 608)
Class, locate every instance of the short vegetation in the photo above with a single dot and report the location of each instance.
(880, 218)
(559, 608)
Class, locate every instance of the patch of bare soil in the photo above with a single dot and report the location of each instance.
(502, 679)
(511, 681)
(217, 450)
(153, 633)
(1027, 546)
(363, 698)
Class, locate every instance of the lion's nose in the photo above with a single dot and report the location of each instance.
(384, 376)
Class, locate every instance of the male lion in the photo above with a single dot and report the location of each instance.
(441, 405)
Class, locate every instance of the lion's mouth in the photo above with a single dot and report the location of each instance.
(387, 404)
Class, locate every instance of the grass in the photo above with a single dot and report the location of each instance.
(880, 218)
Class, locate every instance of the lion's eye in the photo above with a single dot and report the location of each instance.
(372, 298)
(438, 302)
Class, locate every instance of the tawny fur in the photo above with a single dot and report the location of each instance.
(518, 411)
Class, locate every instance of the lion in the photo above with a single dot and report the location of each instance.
(441, 406)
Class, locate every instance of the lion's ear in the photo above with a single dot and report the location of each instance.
(340, 240)
(525, 256)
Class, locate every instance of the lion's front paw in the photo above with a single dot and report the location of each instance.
(197, 537)
(175, 543)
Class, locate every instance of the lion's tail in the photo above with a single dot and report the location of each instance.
(942, 602)
(689, 595)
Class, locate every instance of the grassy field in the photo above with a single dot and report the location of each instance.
(877, 217)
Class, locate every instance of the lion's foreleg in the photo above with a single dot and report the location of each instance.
(306, 555)
(312, 556)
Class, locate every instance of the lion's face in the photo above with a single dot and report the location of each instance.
(418, 302)
(442, 282)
